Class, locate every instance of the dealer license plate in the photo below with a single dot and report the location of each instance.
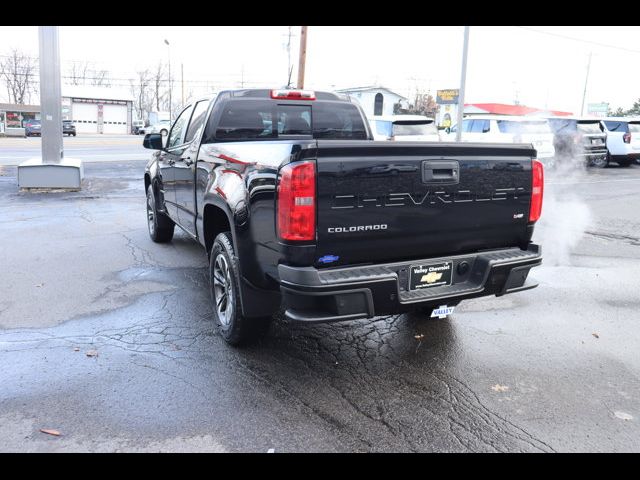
(431, 275)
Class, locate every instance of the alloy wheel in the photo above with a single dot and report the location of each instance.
(223, 290)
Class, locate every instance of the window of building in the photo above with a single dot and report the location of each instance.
(378, 104)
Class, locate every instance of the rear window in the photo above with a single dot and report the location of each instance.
(414, 127)
(589, 127)
(617, 126)
(634, 127)
(510, 126)
(562, 125)
(264, 119)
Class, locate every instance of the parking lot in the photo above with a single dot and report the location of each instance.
(108, 337)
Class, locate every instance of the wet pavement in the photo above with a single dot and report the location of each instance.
(552, 369)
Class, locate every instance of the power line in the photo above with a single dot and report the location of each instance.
(567, 37)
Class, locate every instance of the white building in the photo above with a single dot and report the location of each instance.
(375, 100)
(97, 109)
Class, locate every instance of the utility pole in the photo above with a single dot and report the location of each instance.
(182, 78)
(289, 66)
(170, 85)
(303, 56)
(584, 93)
(463, 81)
(52, 170)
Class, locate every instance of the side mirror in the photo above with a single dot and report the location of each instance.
(448, 130)
(153, 141)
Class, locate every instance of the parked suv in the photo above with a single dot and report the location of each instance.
(68, 128)
(137, 127)
(404, 128)
(622, 144)
(579, 137)
(510, 129)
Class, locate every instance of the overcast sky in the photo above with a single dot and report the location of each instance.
(543, 67)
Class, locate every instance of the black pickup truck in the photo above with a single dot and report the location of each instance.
(298, 208)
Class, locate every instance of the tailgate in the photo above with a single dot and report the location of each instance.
(381, 202)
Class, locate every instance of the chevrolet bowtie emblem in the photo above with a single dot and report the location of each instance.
(431, 277)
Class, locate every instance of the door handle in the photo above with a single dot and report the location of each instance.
(188, 162)
(440, 172)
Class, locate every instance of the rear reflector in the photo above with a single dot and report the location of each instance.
(293, 94)
(537, 191)
(297, 202)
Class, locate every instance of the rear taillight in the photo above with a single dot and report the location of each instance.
(626, 138)
(293, 94)
(297, 202)
(537, 190)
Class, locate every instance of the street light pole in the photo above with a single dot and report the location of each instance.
(463, 81)
(170, 85)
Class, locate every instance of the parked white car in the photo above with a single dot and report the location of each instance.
(162, 127)
(623, 139)
(404, 128)
(509, 129)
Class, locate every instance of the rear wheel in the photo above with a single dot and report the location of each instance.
(160, 226)
(224, 276)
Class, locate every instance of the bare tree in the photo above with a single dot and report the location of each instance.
(100, 78)
(424, 104)
(20, 77)
(142, 91)
(160, 91)
(82, 73)
(78, 73)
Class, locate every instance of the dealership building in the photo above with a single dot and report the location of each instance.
(97, 110)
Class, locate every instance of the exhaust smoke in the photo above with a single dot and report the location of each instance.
(565, 215)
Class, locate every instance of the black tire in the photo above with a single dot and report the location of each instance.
(224, 283)
(160, 226)
(624, 163)
(600, 162)
(74, 134)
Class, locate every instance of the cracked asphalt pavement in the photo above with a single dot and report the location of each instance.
(108, 338)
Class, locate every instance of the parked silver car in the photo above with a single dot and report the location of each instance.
(162, 127)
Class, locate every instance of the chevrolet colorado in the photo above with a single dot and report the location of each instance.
(297, 207)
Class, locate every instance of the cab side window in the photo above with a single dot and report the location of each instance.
(197, 120)
(177, 131)
(480, 126)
